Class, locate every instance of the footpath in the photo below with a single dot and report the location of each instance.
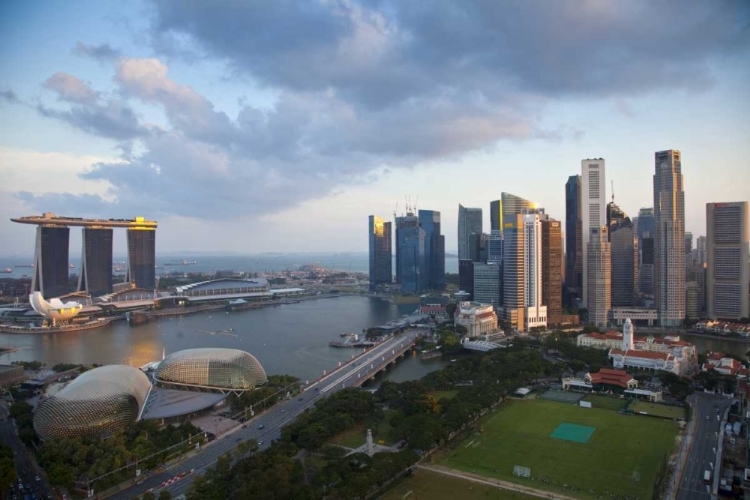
(497, 483)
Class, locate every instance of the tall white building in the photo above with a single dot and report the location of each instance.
(535, 312)
(669, 238)
(728, 271)
(593, 209)
(599, 279)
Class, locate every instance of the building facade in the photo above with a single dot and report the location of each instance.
(487, 284)
(552, 264)
(434, 265)
(478, 319)
(495, 247)
(599, 276)
(51, 261)
(593, 211)
(95, 276)
(407, 269)
(728, 270)
(469, 222)
(535, 310)
(624, 246)
(514, 295)
(669, 238)
(508, 204)
(573, 239)
(381, 261)
(142, 258)
(466, 277)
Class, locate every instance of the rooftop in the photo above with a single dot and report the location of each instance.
(167, 403)
(50, 219)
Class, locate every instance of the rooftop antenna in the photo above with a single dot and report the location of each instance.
(395, 210)
(613, 191)
(416, 203)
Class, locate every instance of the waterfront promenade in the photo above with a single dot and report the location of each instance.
(266, 427)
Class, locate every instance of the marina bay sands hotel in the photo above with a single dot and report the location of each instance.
(52, 247)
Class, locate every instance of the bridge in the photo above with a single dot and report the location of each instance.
(266, 427)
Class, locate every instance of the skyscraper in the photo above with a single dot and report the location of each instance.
(614, 215)
(599, 276)
(434, 267)
(552, 263)
(624, 248)
(535, 310)
(403, 223)
(96, 261)
(688, 243)
(669, 238)
(469, 222)
(495, 249)
(508, 204)
(593, 209)
(142, 258)
(573, 238)
(487, 284)
(380, 252)
(645, 223)
(51, 261)
(728, 272)
(479, 247)
(514, 291)
(466, 277)
(702, 247)
(646, 268)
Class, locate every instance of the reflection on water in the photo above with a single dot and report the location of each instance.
(286, 339)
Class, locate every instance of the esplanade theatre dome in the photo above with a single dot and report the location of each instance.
(211, 368)
(96, 404)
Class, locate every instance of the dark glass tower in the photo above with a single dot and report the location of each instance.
(411, 259)
(573, 239)
(469, 222)
(142, 258)
(96, 261)
(380, 252)
(51, 261)
(434, 262)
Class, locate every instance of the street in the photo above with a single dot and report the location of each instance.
(350, 375)
(702, 453)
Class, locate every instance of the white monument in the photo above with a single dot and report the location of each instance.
(370, 447)
(627, 336)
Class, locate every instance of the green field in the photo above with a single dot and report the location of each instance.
(438, 395)
(427, 485)
(605, 402)
(622, 456)
(658, 409)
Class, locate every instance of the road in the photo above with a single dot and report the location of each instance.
(267, 427)
(27, 474)
(708, 412)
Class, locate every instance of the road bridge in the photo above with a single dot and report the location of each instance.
(266, 427)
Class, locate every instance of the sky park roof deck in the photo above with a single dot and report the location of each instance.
(50, 219)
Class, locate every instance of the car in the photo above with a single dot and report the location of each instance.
(37, 478)
(707, 417)
(238, 440)
(261, 426)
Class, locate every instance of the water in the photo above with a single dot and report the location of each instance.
(703, 344)
(289, 339)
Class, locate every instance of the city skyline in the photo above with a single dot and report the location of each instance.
(159, 111)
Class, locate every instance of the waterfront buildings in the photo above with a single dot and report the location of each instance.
(508, 204)
(487, 284)
(434, 264)
(593, 211)
(573, 240)
(11, 375)
(669, 238)
(379, 237)
(142, 258)
(624, 248)
(478, 319)
(409, 252)
(728, 269)
(95, 276)
(51, 261)
(599, 276)
(469, 222)
(214, 369)
(54, 310)
(552, 264)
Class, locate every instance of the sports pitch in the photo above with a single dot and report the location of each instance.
(621, 456)
(573, 432)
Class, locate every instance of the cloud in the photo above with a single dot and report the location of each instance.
(71, 89)
(9, 96)
(102, 52)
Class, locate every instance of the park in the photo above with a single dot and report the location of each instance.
(580, 452)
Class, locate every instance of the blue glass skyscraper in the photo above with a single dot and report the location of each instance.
(434, 262)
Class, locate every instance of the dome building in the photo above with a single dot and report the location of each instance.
(97, 403)
(215, 369)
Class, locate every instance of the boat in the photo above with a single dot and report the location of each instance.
(182, 262)
(7, 270)
(24, 265)
(72, 266)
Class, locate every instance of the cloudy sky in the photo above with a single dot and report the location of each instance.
(252, 126)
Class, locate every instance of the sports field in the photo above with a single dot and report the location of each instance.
(658, 409)
(621, 457)
(427, 485)
(609, 403)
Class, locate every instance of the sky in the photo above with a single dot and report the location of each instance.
(279, 126)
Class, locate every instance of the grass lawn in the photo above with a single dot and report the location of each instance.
(622, 447)
(427, 485)
(658, 409)
(605, 402)
(438, 395)
(351, 438)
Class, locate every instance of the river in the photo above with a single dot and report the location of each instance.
(290, 339)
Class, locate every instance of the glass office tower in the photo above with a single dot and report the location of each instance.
(142, 258)
(96, 261)
(51, 261)
(380, 252)
(434, 262)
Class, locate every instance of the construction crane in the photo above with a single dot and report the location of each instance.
(613, 191)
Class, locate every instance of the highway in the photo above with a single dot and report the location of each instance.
(30, 481)
(708, 411)
(267, 427)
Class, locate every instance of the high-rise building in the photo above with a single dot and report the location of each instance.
(487, 284)
(142, 258)
(573, 239)
(646, 223)
(624, 248)
(95, 276)
(669, 238)
(514, 290)
(552, 265)
(403, 225)
(51, 261)
(429, 221)
(495, 248)
(728, 271)
(688, 243)
(701, 247)
(479, 246)
(696, 273)
(379, 236)
(593, 209)
(646, 268)
(469, 222)
(599, 286)
(692, 300)
(466, 277)
(535, 310)
(614, 215)
(508, 204)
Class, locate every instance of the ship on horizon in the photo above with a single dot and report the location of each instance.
(182, 262)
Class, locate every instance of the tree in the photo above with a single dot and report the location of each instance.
(7, 468)
(148, 496)
(450, 309)
(165, 495)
